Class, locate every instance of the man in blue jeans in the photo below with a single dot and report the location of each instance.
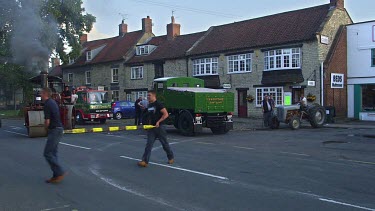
(55, 129)
(156, 113)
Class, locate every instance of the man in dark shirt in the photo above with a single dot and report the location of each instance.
(55, 132)
(156, 114)
(67, 95)
(138, 111)
(267, 110)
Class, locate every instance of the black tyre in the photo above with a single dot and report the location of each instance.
(186, 124)
(103, 121)
(79, 119)
(317, 116)
(274, 124)
(219, 130)
(118, 116)
(295, 123)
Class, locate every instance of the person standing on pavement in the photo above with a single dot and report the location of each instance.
(55, 130)
(66, 95)
(272, 102)
(138, 111)
(267, 111)
(156, 114)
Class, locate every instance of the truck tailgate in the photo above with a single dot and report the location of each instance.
(214, 102)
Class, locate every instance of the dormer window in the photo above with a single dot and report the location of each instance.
(71, 60)
(144, 50)
(88, 56)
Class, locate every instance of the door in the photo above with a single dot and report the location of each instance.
(159, 70)
(242, 103)
(296, 94)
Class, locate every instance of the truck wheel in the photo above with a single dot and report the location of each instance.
(103, 121)
(186, 124)
(219, 130)
(295, 123)
(317, 116)
(118, 115)
(274, 124)
(79, 119)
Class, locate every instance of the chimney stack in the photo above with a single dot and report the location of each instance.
(147, 25)
(173, 29)
(83, 38)
(55, 62)
(123, 28)
(339, 4)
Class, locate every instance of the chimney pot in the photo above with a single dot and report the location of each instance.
(339, 4)
(83, 38)
(147, 25)
(173, 29)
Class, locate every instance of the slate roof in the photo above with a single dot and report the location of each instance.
(168, 49)
(283, 28)
(114, 49)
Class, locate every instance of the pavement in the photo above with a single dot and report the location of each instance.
(307, 169)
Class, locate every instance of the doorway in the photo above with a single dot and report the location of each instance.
(242, 103)
(296, 94)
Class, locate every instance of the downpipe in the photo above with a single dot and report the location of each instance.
(322, 83)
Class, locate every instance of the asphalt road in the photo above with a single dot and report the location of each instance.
(308, 169)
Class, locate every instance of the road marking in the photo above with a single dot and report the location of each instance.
(71, 145)
(198, 142)
(123, 188)
(346, 204)
(358, 161)
(293, 153)
(181, 169)
(244, 148)
(56, 208)
(16, 133)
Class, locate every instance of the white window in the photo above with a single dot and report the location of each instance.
(142, 94)
(70, 77)
(207, 66)
(88, 56)
(276, 92)
(239, 63)
(137, 72)
(129, 97)
(143, 50)
(115, 96)
(115, 75)
(289, 58)
(88, 77)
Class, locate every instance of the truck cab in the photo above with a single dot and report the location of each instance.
(192, 106)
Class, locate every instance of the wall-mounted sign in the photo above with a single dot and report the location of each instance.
(310, 83)
(324, 39)
(100, 88)
(227, 86)
(337, 81)
(287, 98)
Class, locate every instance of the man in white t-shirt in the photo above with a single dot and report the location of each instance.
(303, 100)
(74, 97)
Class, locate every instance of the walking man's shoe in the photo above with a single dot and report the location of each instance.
(142, 164)
(57, 179)
(171, 161)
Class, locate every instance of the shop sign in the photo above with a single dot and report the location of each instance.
(337, 81)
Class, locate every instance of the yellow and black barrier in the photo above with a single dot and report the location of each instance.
(109, 129)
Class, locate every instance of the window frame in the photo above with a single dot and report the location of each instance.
(113, 75)
(70, 77)
(144, 48)
(88, 56)
(134, 75)
(206, 66)
(236, 60)
(115, 97)
(88, 75)
(278, 58)
(373, 57)
(275, 93)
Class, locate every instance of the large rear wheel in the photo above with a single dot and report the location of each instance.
(186, 124)
(317, 116)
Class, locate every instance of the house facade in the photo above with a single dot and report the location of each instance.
(361, 70)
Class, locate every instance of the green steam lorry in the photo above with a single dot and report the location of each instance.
(192, 107)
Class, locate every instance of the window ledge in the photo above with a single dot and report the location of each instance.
(239, 72)
(204, 75)
(294, 68)
(135, 79)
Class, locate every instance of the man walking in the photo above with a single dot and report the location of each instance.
(156, 114)
(138, 111)
(53, 124)
(267, 111)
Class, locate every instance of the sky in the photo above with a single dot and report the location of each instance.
(198, 15)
